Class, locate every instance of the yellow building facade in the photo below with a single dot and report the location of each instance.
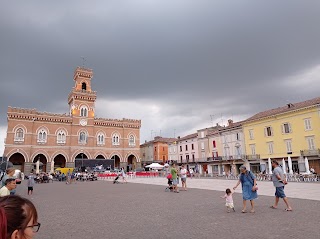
(289, 131)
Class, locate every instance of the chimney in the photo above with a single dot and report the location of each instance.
(290, 105)
(230, 122)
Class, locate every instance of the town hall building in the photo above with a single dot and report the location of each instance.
(57, 140)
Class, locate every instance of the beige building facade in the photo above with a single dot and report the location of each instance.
(58, 140)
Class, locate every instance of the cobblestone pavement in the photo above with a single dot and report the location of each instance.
(134, 210)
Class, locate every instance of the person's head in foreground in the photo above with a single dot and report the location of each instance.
(18, 218)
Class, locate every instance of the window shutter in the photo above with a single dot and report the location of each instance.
(265, 131)
(290, 129)
(283, 130)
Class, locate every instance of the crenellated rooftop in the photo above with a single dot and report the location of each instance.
(127, 123)
(34, 115)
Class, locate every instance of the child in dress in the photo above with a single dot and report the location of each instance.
(229, 200)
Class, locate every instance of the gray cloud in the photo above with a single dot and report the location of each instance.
(190, 58)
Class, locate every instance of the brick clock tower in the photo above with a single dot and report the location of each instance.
(82, 99)
(58, 140)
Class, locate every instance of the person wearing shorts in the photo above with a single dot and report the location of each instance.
(183, 174)
(174, 173)
(31, 183)
(279, 181)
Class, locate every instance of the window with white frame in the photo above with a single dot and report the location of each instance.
(310, 141)
(251, 135)
(307, 124)
(115, 139)
(270, 147)
(19, 135)
(238, 136)
(238, 151)
(288, 145)
(83, 138)
(226, 151)
(84, 111)
(170, 149)
(215, 168)
(61, 137)
(253, 149)
(42, 136)
(202, 145)
(100, 139)
(268, 131)
(286, 128)
(174, 149)
(132, 141)
(203, 155)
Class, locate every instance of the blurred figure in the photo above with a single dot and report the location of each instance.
(18, 218)
(10, 185)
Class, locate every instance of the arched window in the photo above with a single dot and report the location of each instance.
(115, 139)
(83, 137)
(19, 135)
(100, 139)
(61, 137)
(83, 111)
(84, 86)
(42, 136)
(132, 141)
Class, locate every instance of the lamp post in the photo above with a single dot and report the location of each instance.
(81, 159)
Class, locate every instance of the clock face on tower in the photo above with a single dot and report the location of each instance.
(83, 122)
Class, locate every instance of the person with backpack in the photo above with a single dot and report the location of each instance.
(249, 188)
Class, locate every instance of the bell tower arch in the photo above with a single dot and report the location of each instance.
(82, 98)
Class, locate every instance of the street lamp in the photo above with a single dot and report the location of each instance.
(81, 158)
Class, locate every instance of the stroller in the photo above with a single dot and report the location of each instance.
(170, 186)
(116, 179)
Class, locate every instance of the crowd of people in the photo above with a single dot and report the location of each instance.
(248, 183)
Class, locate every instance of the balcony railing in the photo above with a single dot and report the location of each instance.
(252, 157)
(234, 157)
(310, 152)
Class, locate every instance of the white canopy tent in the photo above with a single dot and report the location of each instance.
(155, 166)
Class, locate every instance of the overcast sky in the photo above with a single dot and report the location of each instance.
(178, 65)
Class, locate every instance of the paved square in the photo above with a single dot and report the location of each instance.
(105, 210)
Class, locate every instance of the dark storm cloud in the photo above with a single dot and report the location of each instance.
(200, 57)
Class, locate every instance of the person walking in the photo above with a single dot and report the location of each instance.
(249, 186)
(191, 173)
(183, 175)
(279, 181)
(229, 200)
(174, 173)
(123, 173)
(31, 183)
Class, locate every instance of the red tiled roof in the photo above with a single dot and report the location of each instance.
(284, 109)
(159, 139)
(190, 136)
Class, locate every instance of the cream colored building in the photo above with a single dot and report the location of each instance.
(291, 130)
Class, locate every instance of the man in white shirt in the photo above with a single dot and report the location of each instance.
(183, 175)
(10, 185)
